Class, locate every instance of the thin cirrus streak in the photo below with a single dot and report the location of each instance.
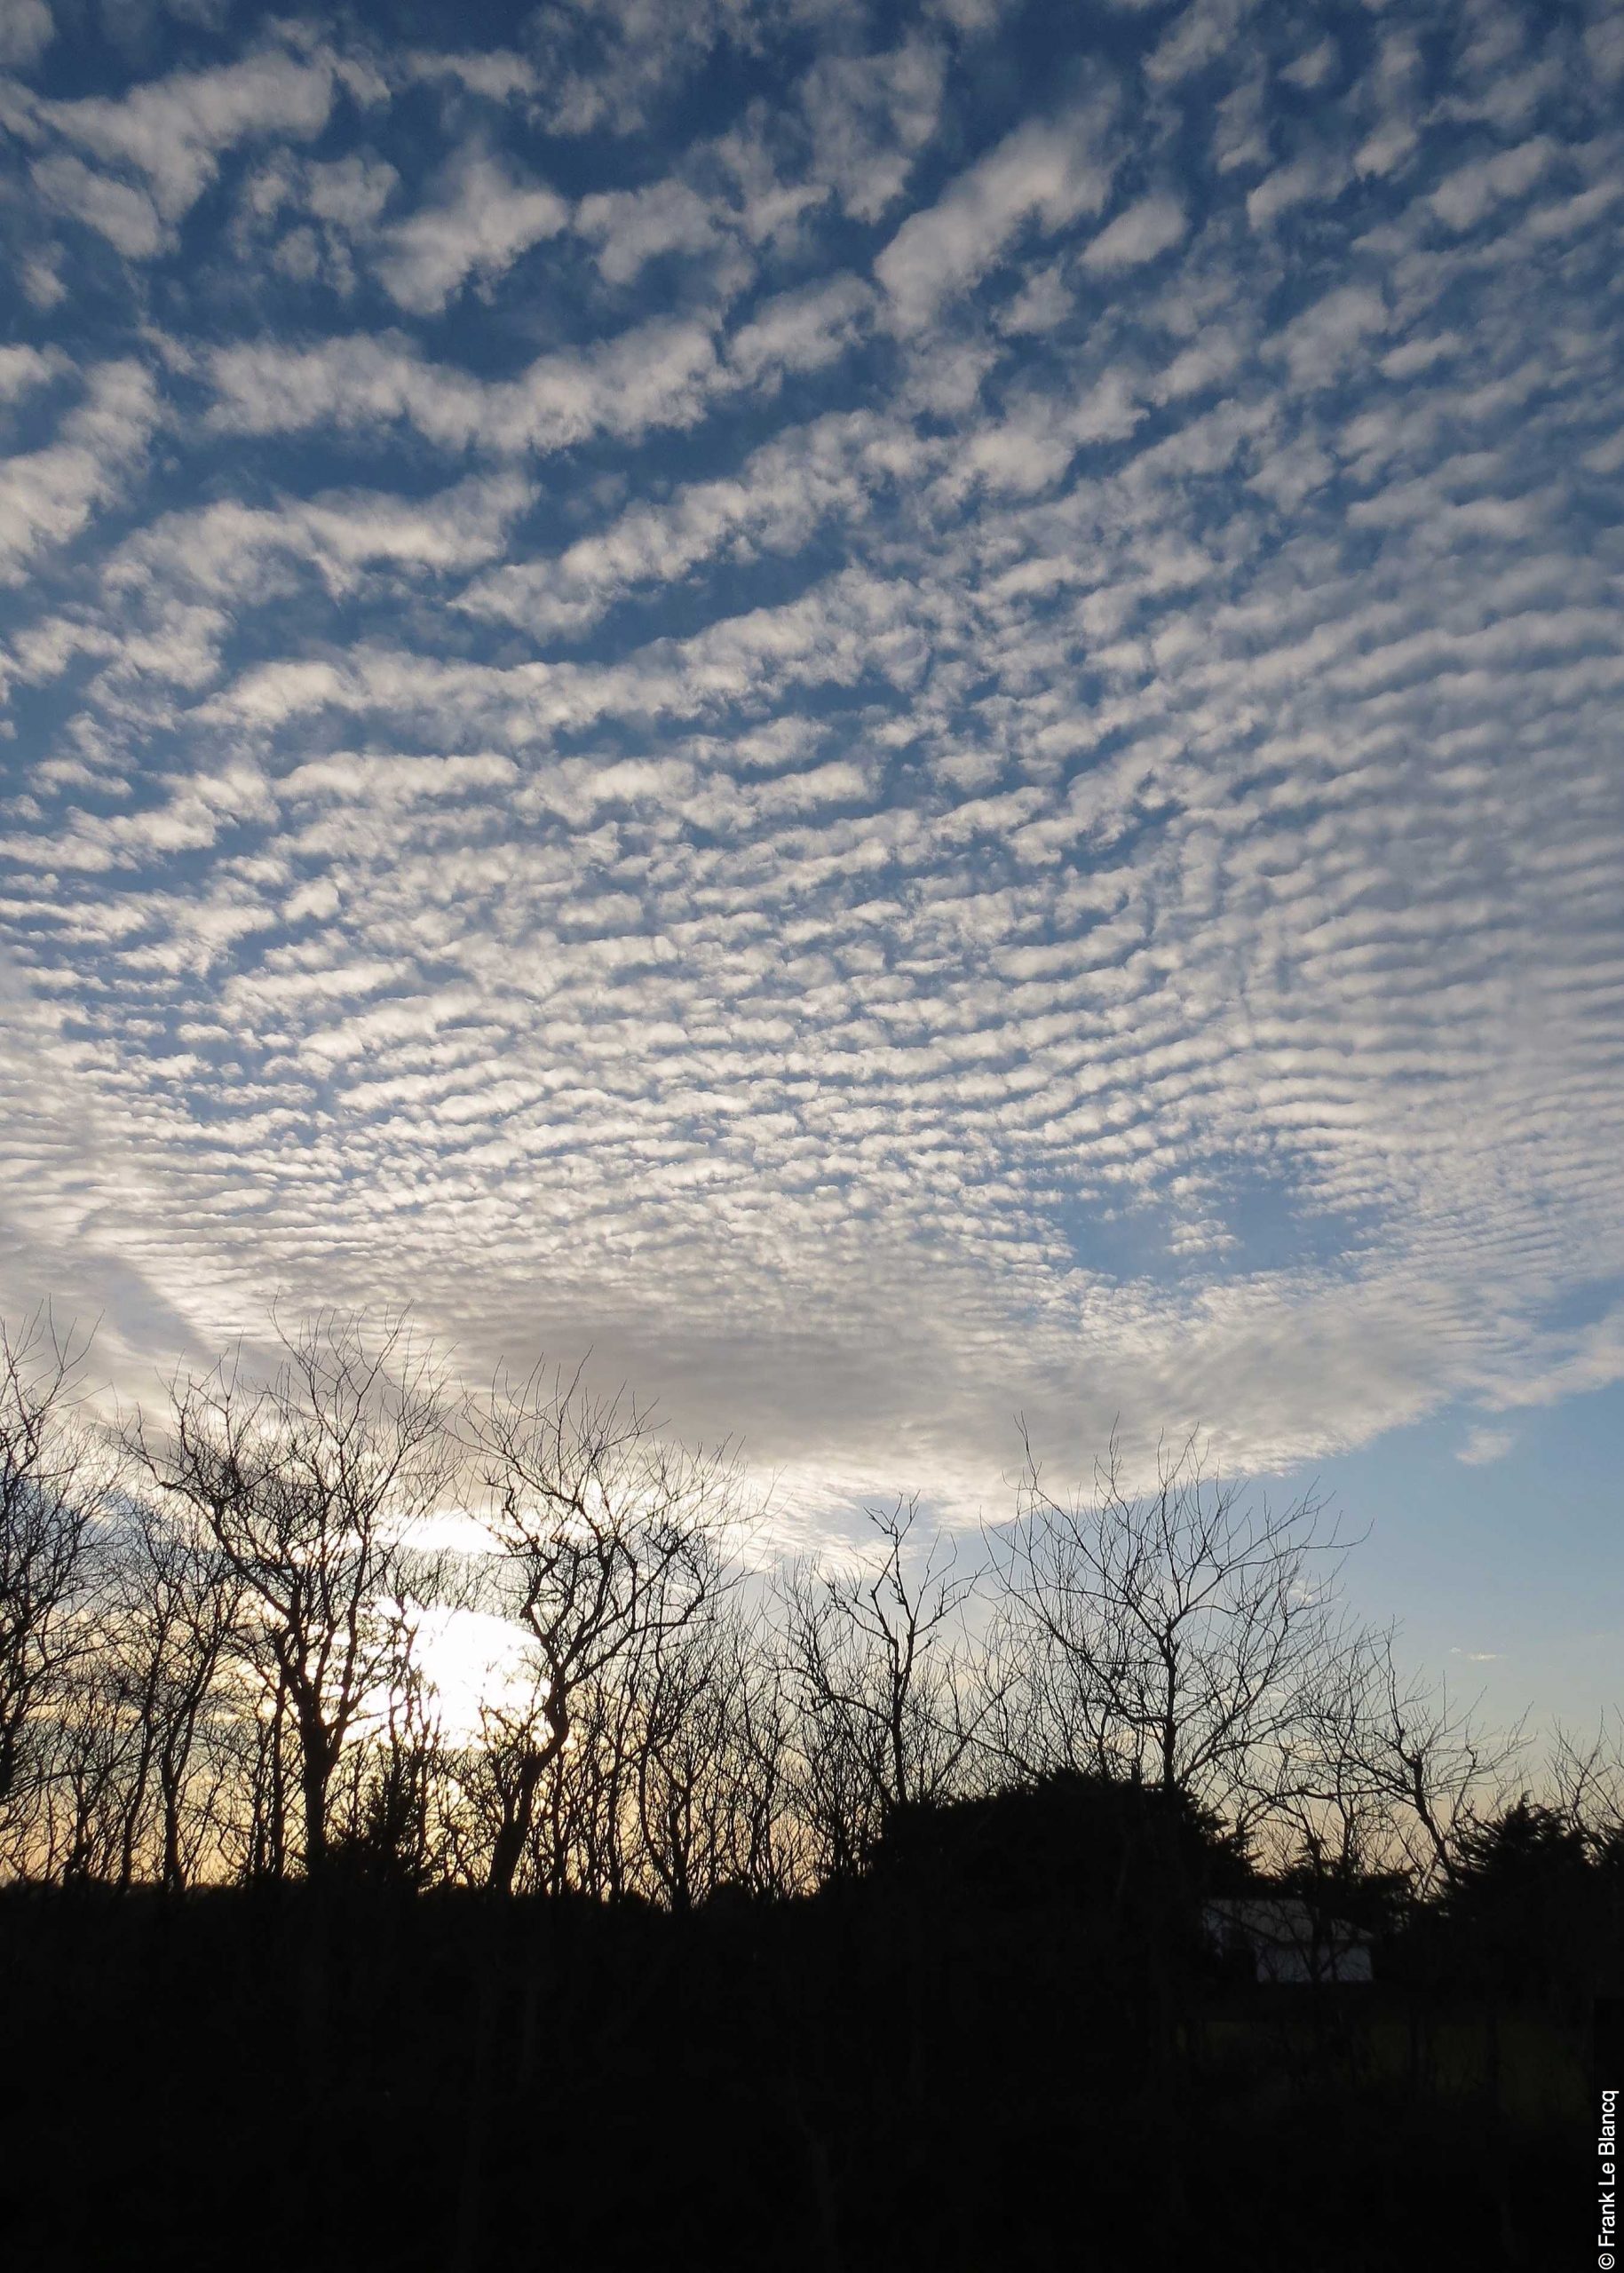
(900, 717)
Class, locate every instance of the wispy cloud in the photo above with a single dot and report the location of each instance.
(1484, 1446)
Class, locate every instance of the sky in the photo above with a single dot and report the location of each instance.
(903, 715)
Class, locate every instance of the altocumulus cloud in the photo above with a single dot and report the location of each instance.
(901, 715)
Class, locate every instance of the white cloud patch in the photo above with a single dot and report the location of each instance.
(1604, 47)
(1484, 1446)
(1473, 190)
(1310, 179)
(123, 212)
(48, 495)
(1197, 38)
(774, 504)
(653, 375)
(1044, 175)
(628, 227)
(24, 368)
(172, 132)
(801, 330)
(1152, 225)
(1318, 344)
(234, 549)
(870, 116)
(1314, 67)
(483, 215)
(26, 31)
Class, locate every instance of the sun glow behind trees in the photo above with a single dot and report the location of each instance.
(339, 1616)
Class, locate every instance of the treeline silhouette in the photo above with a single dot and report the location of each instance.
(849, 1913)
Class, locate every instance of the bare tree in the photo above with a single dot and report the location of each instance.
(390, 1820)
(608, 1536)
(257, 1841)
(877, 1657)
(695, 1781)
(582, 1835)
(561, 1804)
(308, 1484)
(1164, 1633)
(773, 1853)
(1323, 1817)
(172, 1608)
(1586, 1779)
(53, 1490)
(1400, 1757)
(78, 1833)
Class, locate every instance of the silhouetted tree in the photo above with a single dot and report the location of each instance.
(53, 1491)
(1097, 1844)
(1166, 1633)
(1586, 1778)
(773, 1852)
(877, 1657)
(82, 1820)
(709, 1767)
(1401, 1758)
(174, 1606)
(606, 1537)
(1522, 1902)
(308, 1484)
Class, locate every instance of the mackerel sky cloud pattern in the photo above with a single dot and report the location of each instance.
(903, 713)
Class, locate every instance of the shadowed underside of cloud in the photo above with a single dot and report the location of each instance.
(904, 725)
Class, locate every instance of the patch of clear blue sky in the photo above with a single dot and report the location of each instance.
(1507, 1575)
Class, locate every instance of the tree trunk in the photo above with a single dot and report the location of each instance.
(507, 1847)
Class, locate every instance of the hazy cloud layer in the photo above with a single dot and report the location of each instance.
(903, 715)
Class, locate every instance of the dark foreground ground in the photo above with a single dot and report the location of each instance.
(235, 2082)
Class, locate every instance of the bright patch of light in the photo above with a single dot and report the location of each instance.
(470, 1659)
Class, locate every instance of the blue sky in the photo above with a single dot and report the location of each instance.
(906, 714)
